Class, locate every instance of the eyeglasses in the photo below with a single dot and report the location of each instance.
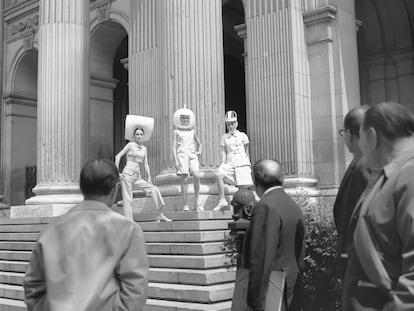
(342, 132)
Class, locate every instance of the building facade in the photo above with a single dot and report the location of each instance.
(73, 69)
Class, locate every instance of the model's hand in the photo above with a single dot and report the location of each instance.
(149, 179)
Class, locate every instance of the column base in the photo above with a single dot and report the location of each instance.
(39, 210)
(56, 194)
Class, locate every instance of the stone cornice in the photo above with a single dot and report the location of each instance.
(16, 11)
(104, 82)
(323, 15)
(20, 100)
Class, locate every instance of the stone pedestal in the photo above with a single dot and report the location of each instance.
(63, 98)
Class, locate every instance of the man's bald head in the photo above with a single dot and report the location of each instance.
(267, 173)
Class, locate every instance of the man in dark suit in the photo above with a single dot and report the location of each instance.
(353, 183)
(380, 272)
(274, 240)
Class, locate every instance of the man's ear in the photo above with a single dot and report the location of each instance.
(373, 138)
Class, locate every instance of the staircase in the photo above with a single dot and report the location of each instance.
(188, 264)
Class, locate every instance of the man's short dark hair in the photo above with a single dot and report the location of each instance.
(268, 173)
(354, 118)
(98, 177)
(390, 120)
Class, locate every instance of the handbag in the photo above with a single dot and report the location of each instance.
(274, 296)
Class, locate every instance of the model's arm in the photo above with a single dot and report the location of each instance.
(264, 238)
(132, 272)
(175, 148)
(246, 149)
(146, 165)
(199, 146)
(34, 282)
(121, 154)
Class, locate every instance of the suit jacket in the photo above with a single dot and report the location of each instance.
(389, 213)
(90, 258)
(353, 184)
(275, 241)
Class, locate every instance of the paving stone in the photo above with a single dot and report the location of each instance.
(165, 305)
(11, 291)
(184, 248)
(15, 255)
(18, 246)
(190, 225)
(14, 266)
(13, 278)
(187, 236)
(192, 276)
(19, 236)
(12, 305)
(189, 262)
(191, 293)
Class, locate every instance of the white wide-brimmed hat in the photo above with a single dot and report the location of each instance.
(132, 122)
(231, 116)
(183, 112)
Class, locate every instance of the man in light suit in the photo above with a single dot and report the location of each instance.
(353, 183)
(274, 240)
(380, 272)
(91, 258)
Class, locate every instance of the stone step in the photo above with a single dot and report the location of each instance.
(186, 236)
(185, 248)
(13, 278)
(15, 255)
(29, 237)
(166, 305)
(192, 276)
(23, 228)
(25, 221)
(13, 266)
(188, 262)
(191, 293)
(189, 225)
(17, 246)
(190, 215)
(12, 305)
(11, 291)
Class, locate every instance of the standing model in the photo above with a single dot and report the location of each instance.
(137, 129)
(186, 150)
(235, 166)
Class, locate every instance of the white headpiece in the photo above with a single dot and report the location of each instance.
(183, 112)
(231, 116)
(132, 122)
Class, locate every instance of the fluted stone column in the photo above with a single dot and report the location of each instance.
(192, 58)
(62, 100)
(278, 103)
(175, 61)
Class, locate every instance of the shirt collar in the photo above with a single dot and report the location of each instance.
(234, 133)
(270, 189)
(407, 153)
(90, 205)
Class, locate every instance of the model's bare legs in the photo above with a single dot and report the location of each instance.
(198, 206)
(184, 191)
(220, 186)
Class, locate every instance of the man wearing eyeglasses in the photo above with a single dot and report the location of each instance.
(91, 258)
(353, 183)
